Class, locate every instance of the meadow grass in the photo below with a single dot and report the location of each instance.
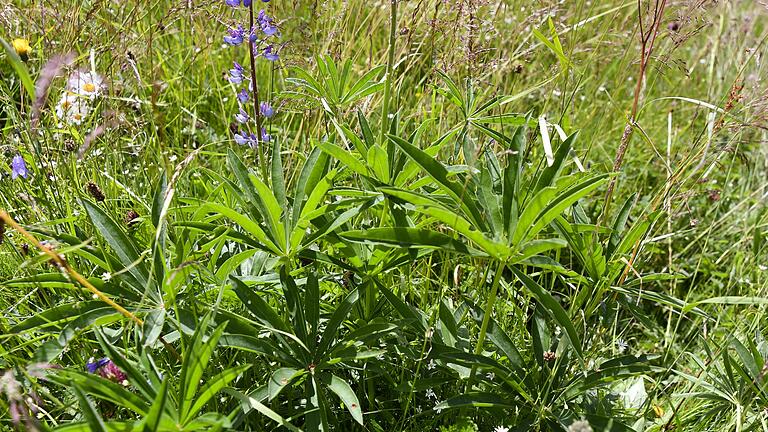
(485, 217)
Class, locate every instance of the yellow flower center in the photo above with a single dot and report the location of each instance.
(89, 87)
(65, 104)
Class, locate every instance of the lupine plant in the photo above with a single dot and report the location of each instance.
(383, 216)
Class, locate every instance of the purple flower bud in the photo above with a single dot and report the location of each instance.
(242, 116)
(232, 3)
(270, 54)
(246, 3)
(242, 96)
(265, 137)
(266, 110)
(18, 167)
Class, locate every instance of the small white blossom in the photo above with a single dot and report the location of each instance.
(501, 429)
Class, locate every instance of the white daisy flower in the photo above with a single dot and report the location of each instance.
(87, 84)
(71, 109)
(501, 429)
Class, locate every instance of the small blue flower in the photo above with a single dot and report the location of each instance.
(246, 3)
(93, 366)
(270, 54)
(242, 116)
(232, 3)
(18, 167)
(236, 74)
(242, 138)
(242, 96)
(235, 36)
(265, 137)
(266, 110)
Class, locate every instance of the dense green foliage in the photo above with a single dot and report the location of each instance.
(478, 216)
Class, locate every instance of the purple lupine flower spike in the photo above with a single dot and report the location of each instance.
(266, 110)
(18, 167)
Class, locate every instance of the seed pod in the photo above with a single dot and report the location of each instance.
(94, 191)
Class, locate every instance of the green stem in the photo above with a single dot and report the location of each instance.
(390, 67)
(487, 315)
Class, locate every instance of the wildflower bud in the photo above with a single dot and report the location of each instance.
(674, 26)
(94, 191)
(131, 218)
(70, 146)
(549, 356)
(22, 48)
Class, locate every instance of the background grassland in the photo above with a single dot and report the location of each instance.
(689, 308)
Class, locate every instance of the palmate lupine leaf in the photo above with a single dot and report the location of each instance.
(545, 299)
(125, 248)
(410, 237)
(195, 360)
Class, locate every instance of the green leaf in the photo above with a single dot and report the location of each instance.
(153, 326)
(280, 379)
(552, 307)
(476, 400)
(92, 417)
(331, 331)
(20, 68)
(196, 358)
(439, 174)
(214, 385)
(347, 395)
(101, 388)
(126, 250)
(410, 237)
(155, 414)
(345, 157)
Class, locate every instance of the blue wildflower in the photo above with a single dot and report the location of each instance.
(265, 137)
(242, 138)
(266, 110)
(242, 116)
(94, 365)
(235, 36)
(18, 167)
(242, 96)
(233, 3)
(236, 74)
(270, 54)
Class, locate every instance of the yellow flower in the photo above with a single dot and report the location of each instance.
(22, 47)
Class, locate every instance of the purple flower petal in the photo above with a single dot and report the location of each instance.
(18, 167)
